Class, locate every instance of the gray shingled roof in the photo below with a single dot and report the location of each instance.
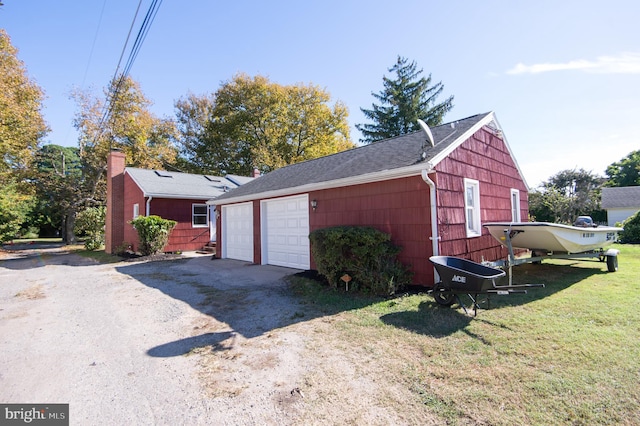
(163, 184)
(625, 196)
(388, 154)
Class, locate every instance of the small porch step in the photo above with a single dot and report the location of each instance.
(210, 247)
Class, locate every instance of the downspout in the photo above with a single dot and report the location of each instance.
(148, 211)
(435, 238)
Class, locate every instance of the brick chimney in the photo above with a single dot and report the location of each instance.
(114, 222)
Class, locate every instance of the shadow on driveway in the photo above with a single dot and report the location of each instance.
(251, 299)
(186, 345)
(36, 255)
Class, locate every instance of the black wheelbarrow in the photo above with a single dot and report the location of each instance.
(461, 276)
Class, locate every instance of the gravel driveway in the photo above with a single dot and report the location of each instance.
(143, 342)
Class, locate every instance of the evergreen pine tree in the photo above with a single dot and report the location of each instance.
(403, 101)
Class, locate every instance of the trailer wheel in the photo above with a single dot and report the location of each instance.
(612, 263)
(441, 296)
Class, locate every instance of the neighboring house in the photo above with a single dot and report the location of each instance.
(430, 199)
(182, 197)
(620, 203)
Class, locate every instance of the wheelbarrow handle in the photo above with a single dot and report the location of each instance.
(506, 287)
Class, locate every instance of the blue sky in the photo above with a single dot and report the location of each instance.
(562, 76)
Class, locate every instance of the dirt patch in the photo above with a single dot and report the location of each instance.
(35, 292)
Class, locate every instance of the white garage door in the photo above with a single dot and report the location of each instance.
(285, 232)
(237, 231)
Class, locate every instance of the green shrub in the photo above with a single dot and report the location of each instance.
(123, 249)
(14, 209)
(90, 224)
(631, 233)
(364, 253)
(153, 233)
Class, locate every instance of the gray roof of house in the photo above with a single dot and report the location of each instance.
(620, 197)
(388, 154)
(163, 184)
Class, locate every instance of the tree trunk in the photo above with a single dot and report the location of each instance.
(69, 237)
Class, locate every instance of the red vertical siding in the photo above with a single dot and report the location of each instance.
(485, 158)
(399, 207)
(132, 195)
(184, 237)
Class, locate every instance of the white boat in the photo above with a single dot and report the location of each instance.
(553, 237)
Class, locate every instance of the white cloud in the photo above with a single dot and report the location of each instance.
(624, 63)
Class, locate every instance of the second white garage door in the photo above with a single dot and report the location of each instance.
(285, 232)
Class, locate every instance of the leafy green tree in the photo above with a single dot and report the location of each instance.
(567, 195)
(22, 126)
(90, 223)
(193, 112)
(404, 99)
(625, 172)
(58, 179)
(122, 122)
(15, 205)
(125, 123)
(251, 122)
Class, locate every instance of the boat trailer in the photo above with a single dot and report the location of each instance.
(538, 255)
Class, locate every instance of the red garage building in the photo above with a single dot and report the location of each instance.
(430, 190)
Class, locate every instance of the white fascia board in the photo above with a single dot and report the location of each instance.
(414, 170)
(513, 157)
(180, 196)
(466, 135)
(460, 139)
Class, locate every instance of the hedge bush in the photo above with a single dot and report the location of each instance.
(90, 223)
(631, 233)
(364, 253)
(153, 233)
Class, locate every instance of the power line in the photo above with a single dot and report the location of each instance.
(141, 36)
(93, 45)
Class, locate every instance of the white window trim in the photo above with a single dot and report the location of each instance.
(136, 210)
(515, 206)
(193, 215)
(474, 210)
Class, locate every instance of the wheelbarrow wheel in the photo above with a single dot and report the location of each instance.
(442, 296)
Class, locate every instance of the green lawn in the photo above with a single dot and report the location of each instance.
(568, 353)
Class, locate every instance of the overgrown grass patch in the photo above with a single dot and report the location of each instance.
(564, 354)
(98, 255)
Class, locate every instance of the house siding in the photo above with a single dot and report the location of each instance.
(485, 158)
(399, 207)
(619, 215)
(184, 236)
(132, 195)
